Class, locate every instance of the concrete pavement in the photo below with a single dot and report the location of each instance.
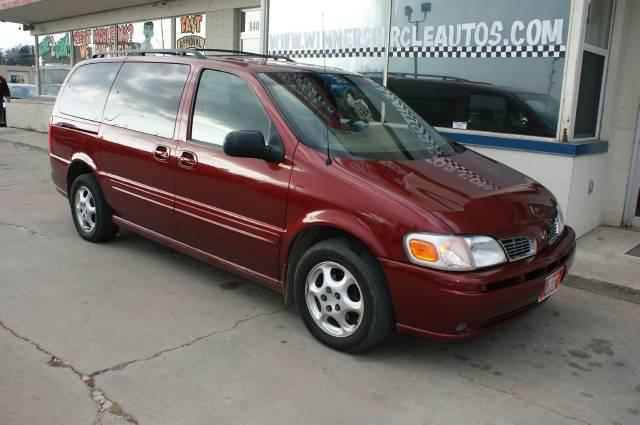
(133, 331)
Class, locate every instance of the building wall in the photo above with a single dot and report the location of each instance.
(28, 71)
(552, 171)
(139, 13)
(586, 193)
(29, 114)
(222, 29)
(624, 115)
(568, 178)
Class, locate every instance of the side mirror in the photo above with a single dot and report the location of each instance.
(250, 144)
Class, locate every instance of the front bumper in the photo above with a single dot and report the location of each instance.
(433, 303)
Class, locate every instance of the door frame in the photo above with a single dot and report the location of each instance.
(633, 188)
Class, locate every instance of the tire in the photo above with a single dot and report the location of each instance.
(90, 212)
(360, 308)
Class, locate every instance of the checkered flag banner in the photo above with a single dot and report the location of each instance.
(486, 52)
(450, 165)
(548, 51)
(356, 52)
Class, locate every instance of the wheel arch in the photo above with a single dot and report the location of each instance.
(307, 234)
(80, 164)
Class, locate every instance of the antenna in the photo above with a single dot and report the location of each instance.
(326, 88)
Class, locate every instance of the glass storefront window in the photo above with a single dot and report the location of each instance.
(191, 31)
(442, 52)
(344, 34)
(91, 41)
(152, 34)
(54, 61)
(496, 55)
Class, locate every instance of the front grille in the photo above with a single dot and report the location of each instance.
(519, 247)
(553, 231)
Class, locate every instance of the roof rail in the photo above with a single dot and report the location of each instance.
(144, 52)
(243, 53)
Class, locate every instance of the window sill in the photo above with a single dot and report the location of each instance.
(526, 144)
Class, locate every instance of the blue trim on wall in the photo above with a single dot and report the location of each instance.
(528, 145)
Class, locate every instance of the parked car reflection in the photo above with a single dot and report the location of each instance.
(451, 102)
(22, 91)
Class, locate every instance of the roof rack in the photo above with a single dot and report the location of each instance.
(144, 52)
(243, 53)
(188, 51)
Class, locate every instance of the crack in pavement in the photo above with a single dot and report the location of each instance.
(524, 400)
(104, 404)
(97, 395)
(123, 365)
(25, 229)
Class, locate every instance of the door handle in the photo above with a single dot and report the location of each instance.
(187, 159)
(161, 153)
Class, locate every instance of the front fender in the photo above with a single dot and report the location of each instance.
(348, 223)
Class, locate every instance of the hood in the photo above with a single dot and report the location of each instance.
(469, 192)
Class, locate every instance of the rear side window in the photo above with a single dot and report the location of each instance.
(226, 103)
(87, 90)
(487, 112)
(145, 97)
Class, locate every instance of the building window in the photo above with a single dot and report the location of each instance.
(250, 30)
(191, 31)
(151, 34)
(593, 70)
(88, 42)
(443, 50)
(54, 61)
(499, 54)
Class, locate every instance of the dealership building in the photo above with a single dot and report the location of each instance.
(494, 68)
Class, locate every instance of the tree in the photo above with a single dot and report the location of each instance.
(18, 55)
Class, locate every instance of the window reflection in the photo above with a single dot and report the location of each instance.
(86, 91)
(226, 103)
(145, 97)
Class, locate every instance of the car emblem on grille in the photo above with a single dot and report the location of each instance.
(543, 235)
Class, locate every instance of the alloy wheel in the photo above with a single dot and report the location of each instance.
(334, 299)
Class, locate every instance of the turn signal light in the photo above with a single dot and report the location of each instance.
(423, 250)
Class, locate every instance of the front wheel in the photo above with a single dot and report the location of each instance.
(342, 296)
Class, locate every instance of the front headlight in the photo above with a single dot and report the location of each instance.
(560, 221)
(457, 253)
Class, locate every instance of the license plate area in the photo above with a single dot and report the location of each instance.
(551, 284)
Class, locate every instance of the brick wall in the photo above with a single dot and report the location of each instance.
(29, 114)
(624, 119)
(222, 29)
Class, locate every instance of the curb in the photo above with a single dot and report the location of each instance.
(25, 145)
(607, 289)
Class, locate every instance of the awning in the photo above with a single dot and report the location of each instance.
(38, 11)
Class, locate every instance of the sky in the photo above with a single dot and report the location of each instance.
(12, 34)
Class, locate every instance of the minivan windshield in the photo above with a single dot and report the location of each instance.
(356, 116)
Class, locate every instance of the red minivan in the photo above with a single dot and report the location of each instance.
(315, 182)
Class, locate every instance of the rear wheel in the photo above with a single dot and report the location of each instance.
(342, 296)
(91, 214)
